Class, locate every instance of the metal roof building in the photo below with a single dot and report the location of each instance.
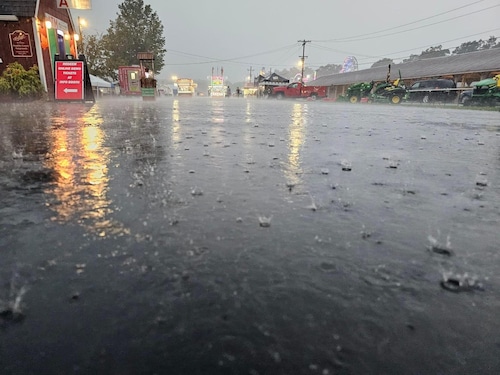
(21, 8)
(464, 68)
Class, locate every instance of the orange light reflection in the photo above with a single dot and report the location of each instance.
(80, 161)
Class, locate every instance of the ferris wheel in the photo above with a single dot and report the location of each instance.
(350, 64)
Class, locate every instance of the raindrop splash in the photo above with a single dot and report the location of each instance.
(265, 221)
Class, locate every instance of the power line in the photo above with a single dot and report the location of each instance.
(234, 59)
(289, 47)
(406, 50)
(441, 43)
(348, 39)
(406, 24)
(357, 38)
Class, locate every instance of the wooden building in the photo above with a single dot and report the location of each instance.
(33, 32)
(463, 69)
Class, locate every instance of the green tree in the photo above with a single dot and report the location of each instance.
(436, 51)
(383, 62)
(429, 53)
(490, 43)
(136, 29)
(328, 69)
(294, 71)
(97, 56)
(476, 45)
(467, 47)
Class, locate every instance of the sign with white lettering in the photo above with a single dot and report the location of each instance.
(20, 44)
(69, 80)
(74, 4)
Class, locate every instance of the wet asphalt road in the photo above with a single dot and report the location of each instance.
(235, 236)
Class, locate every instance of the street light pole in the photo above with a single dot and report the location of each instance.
(303, 58)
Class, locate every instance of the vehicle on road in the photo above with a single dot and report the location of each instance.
(186, 87)
(299, 90)
(432, 90)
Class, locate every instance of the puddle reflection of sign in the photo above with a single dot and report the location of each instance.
(69, 80)
(20, 44)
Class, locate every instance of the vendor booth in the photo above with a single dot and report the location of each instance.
(266, 84)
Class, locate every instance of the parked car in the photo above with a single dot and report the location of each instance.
(432, 90)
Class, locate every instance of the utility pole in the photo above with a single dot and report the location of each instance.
(303, 58)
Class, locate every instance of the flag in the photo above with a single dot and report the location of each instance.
(74, 4)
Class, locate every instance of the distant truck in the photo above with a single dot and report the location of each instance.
(186, 87)
(299, 90)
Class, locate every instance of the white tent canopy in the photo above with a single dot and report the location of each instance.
(99, 82)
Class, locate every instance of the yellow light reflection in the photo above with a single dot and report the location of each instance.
(176, 125)
(296, 140)
(249, 113)
(80, 161)
(249, 118)
(217, 111)
(217, 119)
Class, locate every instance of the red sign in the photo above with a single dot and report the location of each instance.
(69, 80)
(20, 44)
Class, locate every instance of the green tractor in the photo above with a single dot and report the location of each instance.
(386, 91)
(357, 91)
(485, 92)
(383, 92)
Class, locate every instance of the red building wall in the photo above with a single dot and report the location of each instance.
(26, 24)
(50, 7)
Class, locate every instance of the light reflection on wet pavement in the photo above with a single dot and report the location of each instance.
(197, 235)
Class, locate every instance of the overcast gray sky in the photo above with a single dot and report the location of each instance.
(239, 35)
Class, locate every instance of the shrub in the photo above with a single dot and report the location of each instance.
(4, 86)
(21, 83)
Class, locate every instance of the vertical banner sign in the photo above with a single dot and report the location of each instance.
(69, 80)
(74, 4)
